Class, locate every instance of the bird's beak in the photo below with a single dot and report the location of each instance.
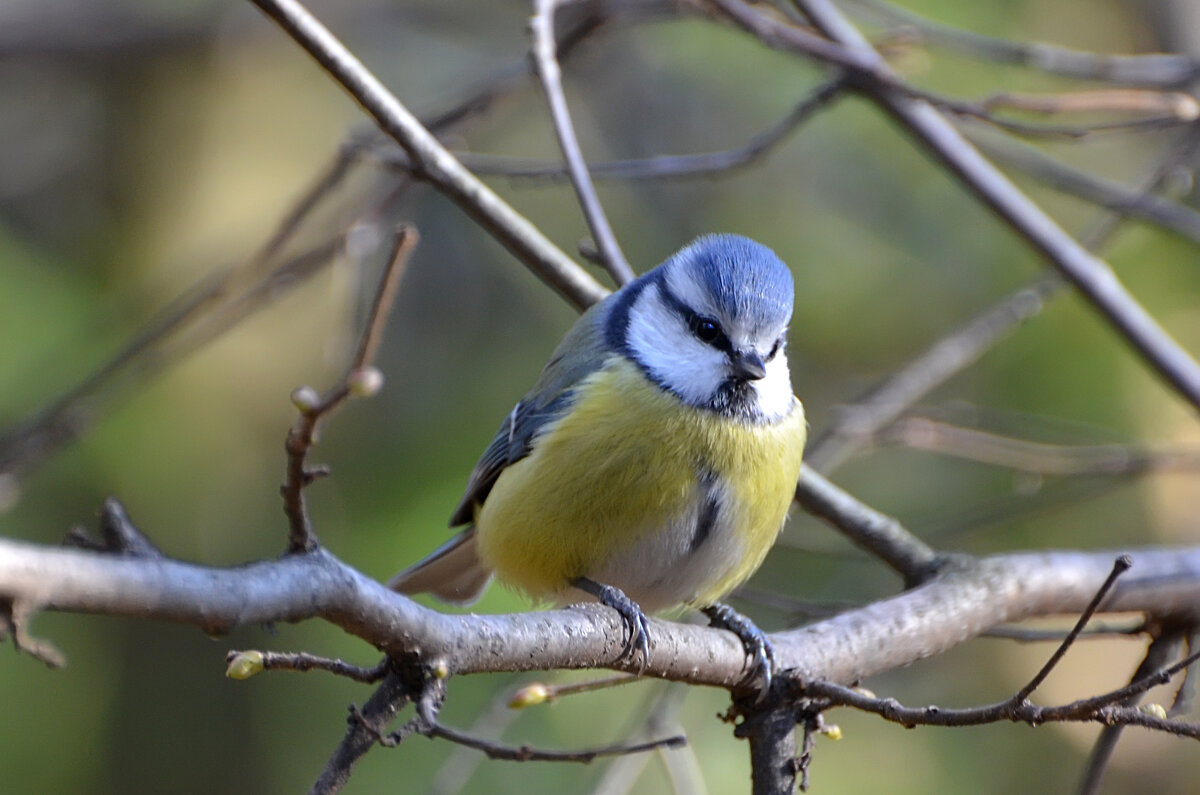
(747, 365)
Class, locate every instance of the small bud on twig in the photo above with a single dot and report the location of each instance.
(365, 381)
(305, 398)
(244, 664)
(530, 696)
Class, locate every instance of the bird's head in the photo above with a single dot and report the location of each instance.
(710, 325)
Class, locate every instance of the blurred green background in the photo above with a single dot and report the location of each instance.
(145, 145)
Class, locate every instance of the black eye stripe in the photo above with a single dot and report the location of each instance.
(695, 320)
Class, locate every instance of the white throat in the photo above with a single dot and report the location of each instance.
(661, 342)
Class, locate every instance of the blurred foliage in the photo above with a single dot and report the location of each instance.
(145, 144)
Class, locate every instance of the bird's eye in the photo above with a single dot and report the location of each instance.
(705, 330)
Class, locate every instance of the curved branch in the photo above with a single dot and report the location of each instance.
(963, 600)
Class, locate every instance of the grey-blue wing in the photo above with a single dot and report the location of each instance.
(582, 351)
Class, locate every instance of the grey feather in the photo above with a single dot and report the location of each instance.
(452, 572)
(582, 351)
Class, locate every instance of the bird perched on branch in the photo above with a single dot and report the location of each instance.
(653, 463)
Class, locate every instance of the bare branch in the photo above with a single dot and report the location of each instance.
(550, 74)
(1158, 657)
(964, 599)
(431, 160)
(1121, 566)
(1151, 69)
(1037, 458)
(1128, 202)
(773, 757)
(665, 166)
(526, 753)
(252, 661)
(1092, 276)
(857, 423)
(879, 534)
(362, 379)
(362, 735)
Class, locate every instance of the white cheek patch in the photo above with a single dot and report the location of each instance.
(663, 344)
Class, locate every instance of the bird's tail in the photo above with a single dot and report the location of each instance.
(453, 572)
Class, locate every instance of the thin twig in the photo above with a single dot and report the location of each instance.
(1083, 711)
(15, 615)
(1186, 693)
(1162, 649)
(526, 753)
(303, 662)
(542, 693)
(1037, 458)
(1115, 196)
(1102, 709)
(881, 535)
(857, 423)
(428, 724)
(1111, 698)
(1120, 566)
(361, 379)
(1125, 100)
(550, 74)
(431, 160)
(705, 164)
(1090, 275)
(1093, 277)
(1151, 69)
(118, 534)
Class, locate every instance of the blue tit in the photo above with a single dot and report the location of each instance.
(653, 463)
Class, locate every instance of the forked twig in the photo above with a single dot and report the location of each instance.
(362, 379)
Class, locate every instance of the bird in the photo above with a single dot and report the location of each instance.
(654, 461)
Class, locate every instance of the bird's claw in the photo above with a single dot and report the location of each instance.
(636, 635)
(760, 654)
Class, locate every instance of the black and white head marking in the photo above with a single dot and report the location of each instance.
(710, 326)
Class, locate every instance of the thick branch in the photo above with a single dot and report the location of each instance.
(959, 603)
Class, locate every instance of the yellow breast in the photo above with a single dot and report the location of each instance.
(629, 461)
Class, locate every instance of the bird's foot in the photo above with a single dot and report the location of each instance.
(760, 653)
(637, 630)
